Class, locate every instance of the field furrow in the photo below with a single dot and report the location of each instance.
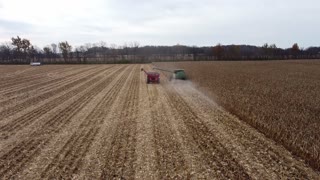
(119, 161)
(31, 93)
(43, 82)
(17, 124)
(106, 122)
(263, 157)
(68, 160)
(212, 151)
(31, 76)
(12, 161)
(170, 160)
(9, 71)
(62, 90)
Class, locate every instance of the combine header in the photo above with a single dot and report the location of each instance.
(152, 77)
(176, 73)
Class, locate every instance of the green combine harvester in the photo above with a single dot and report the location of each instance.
(176, 73)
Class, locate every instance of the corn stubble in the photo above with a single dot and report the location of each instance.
(279, 98)
(105, 122)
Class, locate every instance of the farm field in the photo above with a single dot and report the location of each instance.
(279, 98)
(105, 122)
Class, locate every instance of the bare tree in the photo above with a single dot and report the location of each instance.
(194, 51)
(22, 47)
(113, 48)
(88, 45)
(134, 46)
(48, 52)
(6, 52)
(80, 53)
(125, 52)
(32, 53)
(273, 49)
(295, 49)
(65, 48)
(26, 45)
(18, 43)
(235, 51)
(101, 44)
(218, 51)
(273, 46)
(54, 48)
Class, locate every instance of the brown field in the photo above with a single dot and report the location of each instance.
(105, 122)
(279, 98)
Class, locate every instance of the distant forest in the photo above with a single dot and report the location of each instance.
(21, 51)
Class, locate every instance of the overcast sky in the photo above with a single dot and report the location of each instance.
(162, 22)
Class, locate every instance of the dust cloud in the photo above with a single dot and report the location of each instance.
(189, 89)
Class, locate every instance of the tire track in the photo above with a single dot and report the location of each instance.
(16, 158)
(68, 161)
(54, 84)
(17, 124)
(169, 157)
(24, 88)
(120, 158)
(33, 101)
(213, 153)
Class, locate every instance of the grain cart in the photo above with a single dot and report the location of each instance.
(176, 73)
(152, 77)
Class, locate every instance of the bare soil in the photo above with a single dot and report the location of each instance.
(105, 122)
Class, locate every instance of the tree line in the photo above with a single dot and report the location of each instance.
(21, 51)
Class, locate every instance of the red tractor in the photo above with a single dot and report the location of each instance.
(152, 77)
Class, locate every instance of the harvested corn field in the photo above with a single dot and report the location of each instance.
(105, 122)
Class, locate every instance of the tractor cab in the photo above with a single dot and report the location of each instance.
(179, 74)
